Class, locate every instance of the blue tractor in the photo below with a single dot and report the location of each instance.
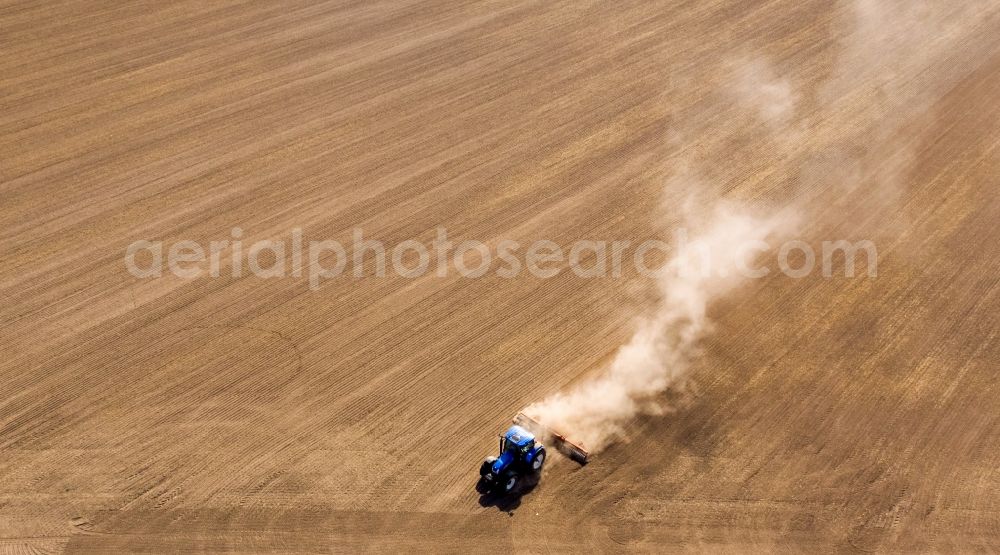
(520, 454)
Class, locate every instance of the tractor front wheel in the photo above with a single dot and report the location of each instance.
(510, 482)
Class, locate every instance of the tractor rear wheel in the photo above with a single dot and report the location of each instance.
(487, 466)
(538, 461)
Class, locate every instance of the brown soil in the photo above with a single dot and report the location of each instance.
(253, 415)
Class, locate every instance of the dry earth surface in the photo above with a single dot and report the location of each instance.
(253, 415)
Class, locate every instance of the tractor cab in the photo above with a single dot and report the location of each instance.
(517, 441)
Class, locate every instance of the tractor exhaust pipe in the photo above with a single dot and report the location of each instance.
(574, 451)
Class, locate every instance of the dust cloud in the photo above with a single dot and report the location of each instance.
(665, 342)
(894, 62)
(713, 260)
